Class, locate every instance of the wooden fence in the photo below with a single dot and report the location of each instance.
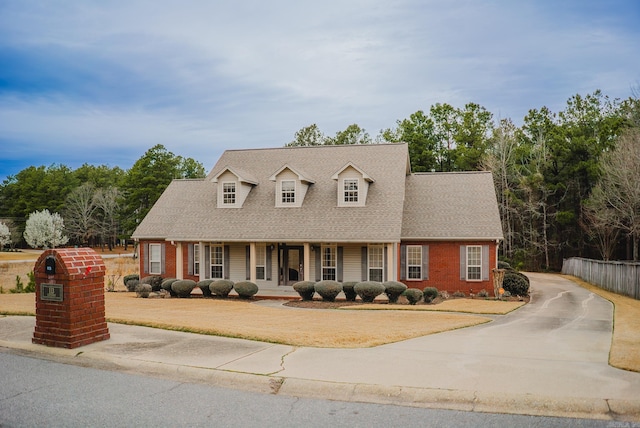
(618, 277)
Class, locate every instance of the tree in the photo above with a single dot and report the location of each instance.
(5, 235)
(44, 229)
(308, 136)
(79, 213)
(601, 222)
(107, 203)
(418, 132)
(353, 134)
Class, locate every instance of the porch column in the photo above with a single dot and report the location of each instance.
(307, 262)
(252, 262)
(391, 263)
(179, 260)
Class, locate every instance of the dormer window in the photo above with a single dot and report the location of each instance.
(350, 187)
(229, 193)
(288, 190)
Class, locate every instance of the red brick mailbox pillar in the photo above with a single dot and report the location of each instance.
(70, 309)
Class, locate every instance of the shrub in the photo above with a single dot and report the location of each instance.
(504, 265)
(368, 290)
(516, 283)
(166, 285)
(154, 280)
(430, 293)
(413, 295)
(306, 289)
(328, 290)
(444, 294)
(132, 284)
(221, 287)
(393, 290)
(347, 289)
(459, 294)
(142, 290)
(245, 289)
(204, 287)
(183, 288)
(31, 285)
(130, 277)
(483, 293)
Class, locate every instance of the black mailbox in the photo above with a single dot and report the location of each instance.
(50, 265)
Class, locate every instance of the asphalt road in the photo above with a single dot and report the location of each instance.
(39, 393)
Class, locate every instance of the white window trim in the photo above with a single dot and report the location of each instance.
(334, 259)
(295, 193)
(234, 193)
(382, 260)
(345, 191)
(212, 264)
(479, 265)
(409, 265)
(152, 260)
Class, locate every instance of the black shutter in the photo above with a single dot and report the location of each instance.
(248, 262)
(318, 263)
(384, 264)
(145, 257)
(190, 259)
(339, 270)
(207, 262)
(267, 274)
(226, 257)
(364, 263)
(403, 261)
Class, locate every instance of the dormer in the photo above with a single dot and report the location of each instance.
(353, 186)
(291, 187)
(233, 187)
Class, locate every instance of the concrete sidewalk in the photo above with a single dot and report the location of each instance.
(549, 358)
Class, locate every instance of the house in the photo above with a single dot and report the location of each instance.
(346, 213)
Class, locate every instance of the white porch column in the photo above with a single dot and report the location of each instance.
(179, 260)
(307, 262)
(252, 262)
(391, 263)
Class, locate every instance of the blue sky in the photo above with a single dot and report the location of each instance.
(102, 82)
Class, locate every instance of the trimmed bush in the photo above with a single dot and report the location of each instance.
(166, 285)
(503, 265)
(328, 290)
(155, 281)
(245, 289)
(306, 289)
(204, 287)
(516, 283)
(393, 290)
(459, 294)
(413, 295)
(132, 284)
(368, 290)
(221, 287)
(483, 293)
(143, 290)
(347, 289)
(183, 288)
(430, 293)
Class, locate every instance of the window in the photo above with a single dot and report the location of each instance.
(229, 193)
(196, 259)
(261, 256)
(217, 262)
(329, 263)
(414, 262)
(351, 190)
(155, 259)
(474, 262)
(376, 263)
(288, 188)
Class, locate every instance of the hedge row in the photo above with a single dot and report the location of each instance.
(183, 287)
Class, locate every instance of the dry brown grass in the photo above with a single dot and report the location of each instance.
(471, 306)
(296, 327)
(625, 346)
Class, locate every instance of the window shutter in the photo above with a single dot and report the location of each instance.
(145, 257)
(267, 274)
(485, 263)
(425, 262)
(226, 257)
(463, 262)
(318, 263)
(190, 259)
(403, 261)
(384, 264)
(162, 259)
(339, 270)
(364, 263)
(207, 262)
(248, 262)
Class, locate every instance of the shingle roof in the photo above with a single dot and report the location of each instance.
(460, 205)
(187, 209)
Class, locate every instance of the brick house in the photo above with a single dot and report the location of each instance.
(347, 213)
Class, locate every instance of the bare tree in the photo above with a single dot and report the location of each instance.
(106, 202)
(79, 214)
(601, 222)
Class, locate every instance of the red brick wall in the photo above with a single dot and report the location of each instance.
(185, 262)
(444, 267)
(169, 256)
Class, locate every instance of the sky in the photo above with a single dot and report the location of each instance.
(101, 82)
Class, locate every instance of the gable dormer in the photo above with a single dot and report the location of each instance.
(291, 187)
(233, 187)
(353, 186)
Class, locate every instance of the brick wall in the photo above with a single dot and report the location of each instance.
(444, 267)
(169, 269)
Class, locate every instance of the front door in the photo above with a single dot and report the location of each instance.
(291, 264)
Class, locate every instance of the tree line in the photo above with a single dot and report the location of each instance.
(567, 182)
(99, 205)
